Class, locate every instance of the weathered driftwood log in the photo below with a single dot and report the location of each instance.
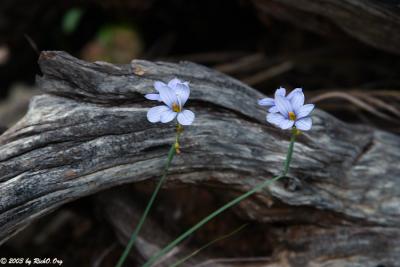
(89, 132)
(373, 22)
(295, 244)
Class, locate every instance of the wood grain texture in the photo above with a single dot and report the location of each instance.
(297, 243)
(372, 22)
(88, 132)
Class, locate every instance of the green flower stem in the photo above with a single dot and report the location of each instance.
(290, 151)
(206, 219)
(233, 202)
(209, 244)
(172, 151)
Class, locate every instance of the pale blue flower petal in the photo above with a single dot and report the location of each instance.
(266, 101)
(153, 97)
(186, 117)
(172, 83)
(275, 118)
(168, 116)
(297, 100)
(154, 114)
(168, 96)
(304, 111)
(273, 109)
(283, 105)
(281, 92)
(158, 85)
(290, 95)
(173, 94)
(182, 91)
(304, 124)
(286, 124)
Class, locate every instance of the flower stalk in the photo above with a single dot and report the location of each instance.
(289, 155)
(173, 97)
(172, 151)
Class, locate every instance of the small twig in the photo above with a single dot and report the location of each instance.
(103, 255)
(232, 260)
(379, 103)
(269, 73)
(32, 44)
(356, 101)
(212, 57)
(209, 244)
(243, 63)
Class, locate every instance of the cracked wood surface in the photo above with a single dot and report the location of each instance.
(88, 132)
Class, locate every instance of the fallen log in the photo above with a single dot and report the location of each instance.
(372, 22)
(89, 132)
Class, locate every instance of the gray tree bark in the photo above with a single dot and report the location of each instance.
(375, 23)
(88, 132)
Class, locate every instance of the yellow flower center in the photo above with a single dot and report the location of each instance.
(292, 116)
(176, 107)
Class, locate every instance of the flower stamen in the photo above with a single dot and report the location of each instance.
(176, 107)
(292, 116)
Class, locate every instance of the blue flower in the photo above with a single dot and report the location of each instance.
(175, 84)
(174, 96)
(291, 112)
(271, 102)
